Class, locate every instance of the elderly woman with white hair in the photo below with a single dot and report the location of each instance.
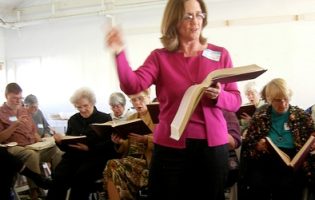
(117, 102)
(252, 94)
(265, 177)
(254, 98)
(82, 164)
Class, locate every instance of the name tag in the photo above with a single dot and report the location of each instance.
(212, 55)
(13, 118)
(40, 126)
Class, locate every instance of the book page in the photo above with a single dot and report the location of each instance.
(194, 93)
(116, 123)
(302, 154)
(70, 137)
(286, 159)
(185, 110)
(10, 144)
(46, 143)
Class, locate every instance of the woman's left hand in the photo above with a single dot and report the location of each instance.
(213, 91)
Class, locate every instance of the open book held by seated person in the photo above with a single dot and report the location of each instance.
(83, 163)
(289, 127)
(124, 177)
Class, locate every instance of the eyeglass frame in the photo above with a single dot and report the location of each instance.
(282, 100)
(191, 16)
(138, 98)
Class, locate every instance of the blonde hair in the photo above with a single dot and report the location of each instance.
(83, 93)
(276, 88)
(172, 17)
(146, 92)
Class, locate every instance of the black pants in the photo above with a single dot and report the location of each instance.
(79, 175)
(9, 167)
(196, 172)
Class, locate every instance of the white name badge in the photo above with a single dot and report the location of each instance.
(13, 118)
(212, 55)
(40, 126)
(286, 127)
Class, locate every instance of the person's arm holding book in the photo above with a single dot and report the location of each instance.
(121, 145)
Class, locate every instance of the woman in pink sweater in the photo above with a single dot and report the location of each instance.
(196, 164)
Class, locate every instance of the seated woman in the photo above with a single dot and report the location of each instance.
(31, 104)
(264, 175)
(117, 102)
(124, 177)
(254, 98)
(82, 164)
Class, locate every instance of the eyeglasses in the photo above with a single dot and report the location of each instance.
(117, 106)
(139, 98)
(190, 16)
(16, 98)
(80, 107)
(31, 106)
(280, 100)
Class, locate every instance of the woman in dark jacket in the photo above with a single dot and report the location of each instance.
(265, 176)
(82, 164)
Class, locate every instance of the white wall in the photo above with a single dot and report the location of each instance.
(2, 70)
(71, 53)
(1, 44)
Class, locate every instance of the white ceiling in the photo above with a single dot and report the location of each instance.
(19, 13)
(23, 12)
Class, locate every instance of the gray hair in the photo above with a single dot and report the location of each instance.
(117, 98)
(250, 86)
(82, 93)
(30, 100)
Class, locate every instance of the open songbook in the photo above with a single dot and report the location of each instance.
(47, 142)
(67, 140)
(73, 139)
(10, 144)
(154, 111)
(122, 128)
(299, 158)
(194, 93)
(248, 109)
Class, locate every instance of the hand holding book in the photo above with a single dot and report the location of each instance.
(299, 157)
(246, 111)
(213, 91)
(194, 93)
(123, 129)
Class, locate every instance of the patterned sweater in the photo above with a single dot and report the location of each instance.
(299, 122)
